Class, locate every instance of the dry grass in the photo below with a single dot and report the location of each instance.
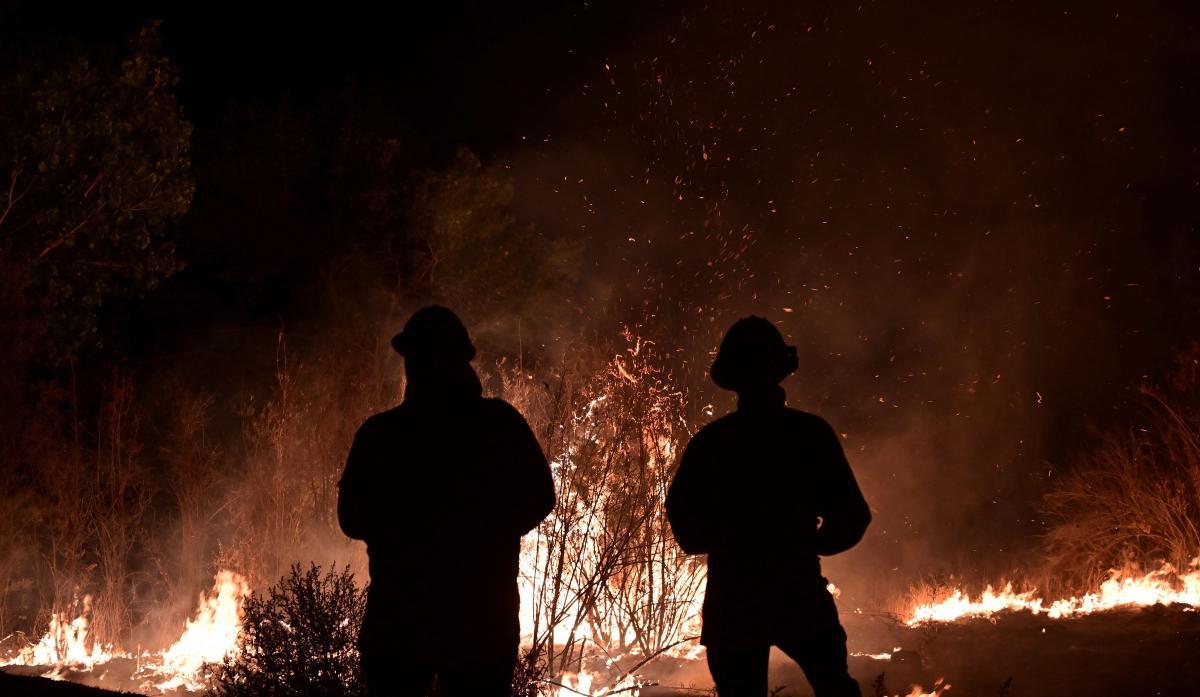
(608, 576)
(1135, 498)
(74, 525)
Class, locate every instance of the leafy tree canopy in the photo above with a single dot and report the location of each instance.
(94, 168)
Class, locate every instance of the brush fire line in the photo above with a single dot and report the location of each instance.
(66, 651)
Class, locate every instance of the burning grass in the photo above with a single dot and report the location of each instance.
(609, 604)
(604, 588)
(68, 649)
(1122, 589)
(1136, 495)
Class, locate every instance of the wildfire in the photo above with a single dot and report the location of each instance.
(593, 606)
(66, 642)
(1163, 586)
(572, 684)
(209, 637)
(940, 687)
(580, 598)
(589, 684)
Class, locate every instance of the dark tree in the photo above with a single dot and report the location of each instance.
(94, 168)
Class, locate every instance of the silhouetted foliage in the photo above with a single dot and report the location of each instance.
(94, 167)
(529, 678)
(94, 170)
(473, 253)
(300, 639)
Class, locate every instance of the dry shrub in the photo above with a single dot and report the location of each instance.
(300, 638)
(185, 541)
(529, 676)
(282, 498)
(1135, 498)
(604, 566)
(88, 496)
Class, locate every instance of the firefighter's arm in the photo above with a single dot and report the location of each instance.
(844, 512)
(689, 505)
(531, 484)
(354, 510)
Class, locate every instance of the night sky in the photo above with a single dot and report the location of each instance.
(978, 221)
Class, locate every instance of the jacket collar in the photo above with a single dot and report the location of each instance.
(772, 397)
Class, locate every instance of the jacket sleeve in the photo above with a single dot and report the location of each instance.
(354, 510)
(529, 485)
(689, 504)
(844, 512)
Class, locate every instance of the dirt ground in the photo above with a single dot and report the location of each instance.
(114, 677)
(32, 686)
(1153, 652)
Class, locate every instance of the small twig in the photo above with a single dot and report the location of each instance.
(655, 655)
(14, 199)
(546, 681)
(71, 233)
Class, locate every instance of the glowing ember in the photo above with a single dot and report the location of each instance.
(572, 684)
(939, 688)
(585, 683)
(1164, 586)
(884, 656)
(585, 597)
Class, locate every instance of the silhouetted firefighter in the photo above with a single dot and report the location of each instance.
(764, 491)
(442, 488)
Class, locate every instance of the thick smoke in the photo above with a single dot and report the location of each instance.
(977, 233)
(952, 231)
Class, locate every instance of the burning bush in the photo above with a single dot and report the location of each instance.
(300, 638)
(529, 677)
(1135, 498)
(603, 569)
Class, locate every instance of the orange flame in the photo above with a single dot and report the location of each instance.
(1164, 586)
(65, 643)
(208, 638)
